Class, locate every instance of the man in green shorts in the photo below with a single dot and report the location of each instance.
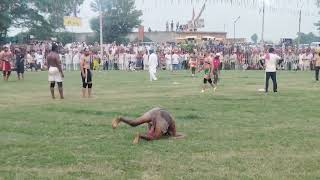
(207, 68)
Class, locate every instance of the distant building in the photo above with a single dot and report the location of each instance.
(236, 40)
(163, 36)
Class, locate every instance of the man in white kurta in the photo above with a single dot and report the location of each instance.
(76, 61)
(153, 64)
(68, 57)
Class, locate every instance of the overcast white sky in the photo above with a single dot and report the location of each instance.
(281, 16)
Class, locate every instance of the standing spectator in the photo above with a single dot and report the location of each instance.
(121, 60)
(68, 56)
(127, 59)
(168, 61)
(172, 26)
(271, 60)
(302, 56)
(317, 63)
(175, 61)
(31, 61)
(145, 61)
(39, 60)
(105, 61)
(76, 60)
(153, 64)
(289, 60)
(307, 60)
(233, 60)
(193, 62)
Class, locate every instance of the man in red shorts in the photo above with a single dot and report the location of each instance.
(5, 57)
(215, 68)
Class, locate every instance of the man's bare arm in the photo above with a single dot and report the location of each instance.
(58, 63)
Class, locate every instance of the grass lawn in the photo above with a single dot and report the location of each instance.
(235, 133)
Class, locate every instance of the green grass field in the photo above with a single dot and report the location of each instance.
(235, 133)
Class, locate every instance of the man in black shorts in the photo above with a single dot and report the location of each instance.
(86, 74)
(20, 64)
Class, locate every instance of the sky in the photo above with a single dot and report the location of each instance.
(281, 17)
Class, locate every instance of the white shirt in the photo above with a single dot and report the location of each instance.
(121, 58)
(39, 58)
(168, 58)
(175, 59)
(133, 58)
(145, 59)
(29, 58)
(308, 58)
(153, 62)
(271, 63)
(68, 58)
(76, 58)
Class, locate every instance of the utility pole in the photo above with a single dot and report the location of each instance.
(234, 29)
(101, 29)
(263, 14)
(299, 33)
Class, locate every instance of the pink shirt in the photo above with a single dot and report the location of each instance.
(216, 63)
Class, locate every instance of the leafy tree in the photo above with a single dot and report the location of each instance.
(119, 18)
(17, 13)
(43, 18)
(254, 38)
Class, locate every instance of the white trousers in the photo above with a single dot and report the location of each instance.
(153, 76)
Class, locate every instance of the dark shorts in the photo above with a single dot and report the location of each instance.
(88, 79)
(20, 69)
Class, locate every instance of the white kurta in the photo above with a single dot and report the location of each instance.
(153, 64)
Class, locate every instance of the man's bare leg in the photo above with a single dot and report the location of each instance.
(132, 122)
(148, 137)
(89, 89)
(8, 75)
(214, 86)
(52, 84)
(89, 92)
(141, 136)
(5, 76)
(84, 92)
(60, 88)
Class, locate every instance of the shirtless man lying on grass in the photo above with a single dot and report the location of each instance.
(160, 124)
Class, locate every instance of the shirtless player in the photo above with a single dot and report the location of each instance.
(160, 124)
(55, 71)
(207, 73)
(5, 57)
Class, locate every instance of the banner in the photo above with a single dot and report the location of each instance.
(71, 21)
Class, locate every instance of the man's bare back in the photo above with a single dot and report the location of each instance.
(160, 124)
(53, 60)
